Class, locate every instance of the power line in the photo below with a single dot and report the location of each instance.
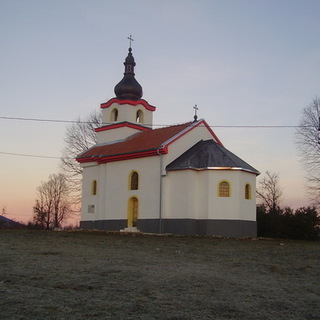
(32, 155)
(42, 120)
(156, 125)
(83, 122)
(254, 126)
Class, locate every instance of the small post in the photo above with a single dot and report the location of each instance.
(318, 112)
(319, 130)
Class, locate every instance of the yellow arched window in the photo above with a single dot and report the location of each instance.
(134, 180)
(247, 191)
(224, 189)
(139, 116)
(114, 115)
(94, 187)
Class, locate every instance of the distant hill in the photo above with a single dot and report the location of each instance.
(6, 223)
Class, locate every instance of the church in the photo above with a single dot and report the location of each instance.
(178, 179)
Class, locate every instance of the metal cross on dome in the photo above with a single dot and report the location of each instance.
(195, 112)
(130, 39)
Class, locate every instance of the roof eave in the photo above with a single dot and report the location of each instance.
(123, 156)
(180, 133)
(218, 168)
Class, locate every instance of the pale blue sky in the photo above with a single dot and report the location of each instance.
(243, 62)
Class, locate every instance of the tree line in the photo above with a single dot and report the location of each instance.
(303, 223)
(59, 198)
(274, 221)
(286, 223)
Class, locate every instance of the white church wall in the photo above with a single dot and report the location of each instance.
(234, 207)
(116, 134)
(224, 208)
(115, 206)
(90, 202)
(176, 198)
(203, 193)
(117, 191)
(247, 206)
(184, 195)
(102, 184)
(191, 194)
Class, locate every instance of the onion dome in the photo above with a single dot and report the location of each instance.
(128, 87)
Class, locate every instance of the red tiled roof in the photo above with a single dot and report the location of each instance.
(141, 144)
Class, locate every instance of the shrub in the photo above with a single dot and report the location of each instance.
(303, 223)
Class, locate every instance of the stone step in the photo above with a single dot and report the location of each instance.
(130, 229)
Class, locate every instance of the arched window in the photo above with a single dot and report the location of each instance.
(114, 115)
(94, 187)
(134, 181)
(139, 116)
(224, 189)
(247, 191)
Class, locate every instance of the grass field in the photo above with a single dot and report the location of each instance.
(97, 275)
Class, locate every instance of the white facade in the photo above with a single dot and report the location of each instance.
(195, 195)
(164, 196)
(113, 191)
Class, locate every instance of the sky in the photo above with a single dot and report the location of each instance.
(243, 62)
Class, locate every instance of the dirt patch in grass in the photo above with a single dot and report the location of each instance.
(97, 275)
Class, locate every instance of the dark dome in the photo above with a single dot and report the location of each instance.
(128, 87)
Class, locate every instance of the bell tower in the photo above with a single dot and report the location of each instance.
(127, 113)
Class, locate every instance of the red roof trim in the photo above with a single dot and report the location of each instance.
(191, 127)
(126, 156)
(131, 102)
(121, 125)
(213, 134)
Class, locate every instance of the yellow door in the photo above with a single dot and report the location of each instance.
(132, 212)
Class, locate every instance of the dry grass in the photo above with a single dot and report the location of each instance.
(96, 275)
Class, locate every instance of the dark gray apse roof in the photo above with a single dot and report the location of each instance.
(209, 155)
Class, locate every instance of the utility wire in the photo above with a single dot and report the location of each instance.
(32, 155)
(42, 120)
(79, 121)
(156, 125)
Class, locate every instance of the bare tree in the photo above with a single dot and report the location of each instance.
(52, 206)
(269, 191)
(80, 136)
(308, 142)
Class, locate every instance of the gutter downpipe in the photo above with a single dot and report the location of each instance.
(160, 203)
